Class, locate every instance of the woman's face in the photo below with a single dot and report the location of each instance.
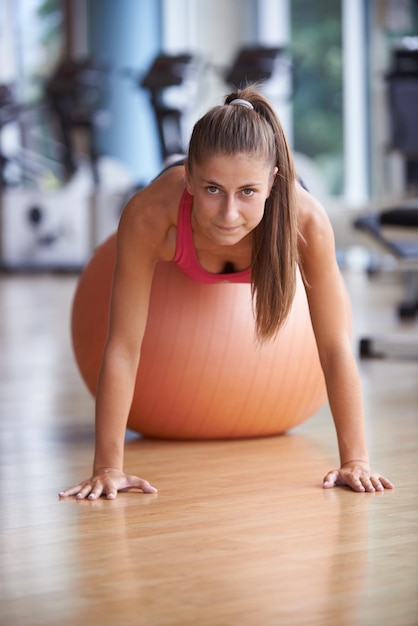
(229, 196)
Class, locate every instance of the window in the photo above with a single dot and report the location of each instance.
(316, 48)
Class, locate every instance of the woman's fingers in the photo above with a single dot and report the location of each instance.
(107, 484)
(358, 479)
(134, 482)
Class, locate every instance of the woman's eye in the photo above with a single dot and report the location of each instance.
(248, 192)
(212, 190)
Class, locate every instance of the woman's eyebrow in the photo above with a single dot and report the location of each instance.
(215, 184)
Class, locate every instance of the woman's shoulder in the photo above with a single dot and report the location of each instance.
(316, 236)
(160, 199)
(151, 213)
(313, 220)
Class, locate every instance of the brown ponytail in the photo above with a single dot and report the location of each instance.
(257, 131)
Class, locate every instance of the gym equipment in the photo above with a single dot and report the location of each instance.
(45, 231)
(76, 92)
(9, 111)
(253, 63)
(402, 83)
(51, 221)
(23, 163)
(400, 219)
(168, 71)
(202, 373)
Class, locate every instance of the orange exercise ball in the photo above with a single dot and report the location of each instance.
(202, 374)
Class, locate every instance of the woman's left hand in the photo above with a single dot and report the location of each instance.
(358, 476)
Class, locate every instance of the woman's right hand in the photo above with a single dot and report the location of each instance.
(107, 482)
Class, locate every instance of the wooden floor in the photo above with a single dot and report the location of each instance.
(241, 532)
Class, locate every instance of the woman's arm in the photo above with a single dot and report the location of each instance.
(128, 316)
(331, 320)
(141, 242)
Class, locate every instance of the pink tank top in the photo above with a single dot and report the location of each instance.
(186, 258)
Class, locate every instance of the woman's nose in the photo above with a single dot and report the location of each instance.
(230, 210)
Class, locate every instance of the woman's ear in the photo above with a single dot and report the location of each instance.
(273, 178)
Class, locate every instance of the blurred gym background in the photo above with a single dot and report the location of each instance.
(97, 95)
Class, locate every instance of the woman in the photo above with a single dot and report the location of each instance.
(250, 220)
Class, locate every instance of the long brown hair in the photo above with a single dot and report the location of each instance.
(257, 131)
